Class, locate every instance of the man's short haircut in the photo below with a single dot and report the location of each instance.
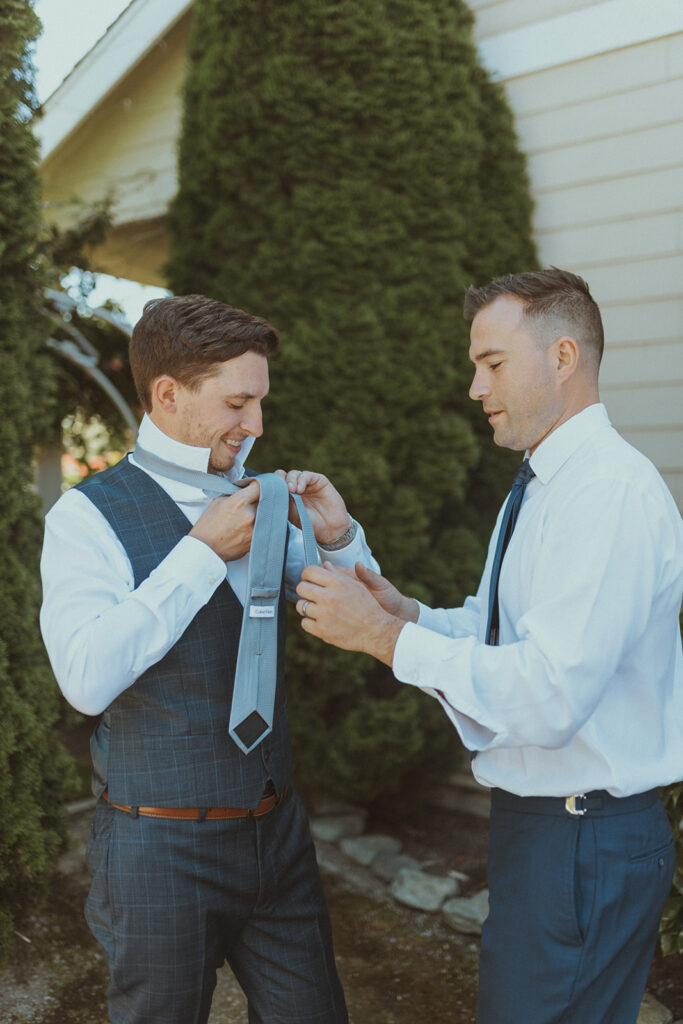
(187, 336)
(556, 302)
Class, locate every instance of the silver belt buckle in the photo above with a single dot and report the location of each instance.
(570, 804)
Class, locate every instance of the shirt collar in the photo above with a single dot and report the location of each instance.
(558, 446)
(154, 440)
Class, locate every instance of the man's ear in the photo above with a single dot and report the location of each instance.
(165, 394)
(567, 355)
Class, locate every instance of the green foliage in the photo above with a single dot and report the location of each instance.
(60, 253)
(82, 408)
(671, 925)
(346, 170)
(34, 770)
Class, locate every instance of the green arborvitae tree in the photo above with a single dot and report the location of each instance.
(34, 770)
(346, 170)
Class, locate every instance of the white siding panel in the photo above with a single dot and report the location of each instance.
(653, 192)
(511, 14)
(635, 366)
(630, 238)
(659, 278)
(674, 63)
(604, 75)
(664, 447)
(598, 118)
(146, 197)
(610, 158)
(643, 323)
(674, 481)
(579, 34)
(645, 407)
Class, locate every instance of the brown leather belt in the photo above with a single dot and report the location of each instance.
(201, 813)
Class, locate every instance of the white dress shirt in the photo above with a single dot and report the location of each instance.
(585, 690)
(101, 633)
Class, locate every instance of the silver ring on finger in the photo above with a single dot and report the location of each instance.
(304, 606)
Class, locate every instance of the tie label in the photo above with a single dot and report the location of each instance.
(264, 612)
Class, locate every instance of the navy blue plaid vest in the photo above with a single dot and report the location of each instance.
(164, 741)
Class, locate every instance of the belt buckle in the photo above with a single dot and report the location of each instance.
(570, 805)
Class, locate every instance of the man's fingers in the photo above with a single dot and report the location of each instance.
(248, 495)
(306, 608)
(317, 574)
(309, 625)
(368, 576)
(298, 480)
(346, 570)
(309, 591)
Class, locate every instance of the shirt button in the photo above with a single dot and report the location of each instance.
(212, 580)
(266, 757)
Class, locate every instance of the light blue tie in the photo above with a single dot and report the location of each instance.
(251, 715)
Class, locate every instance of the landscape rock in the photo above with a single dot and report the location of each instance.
(364, 849)
(423, 892)
(467, 914)
(387, 865)
(333, 827)
(322, 807)
(652, 1012)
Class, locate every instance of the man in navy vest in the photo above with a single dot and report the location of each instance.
(563, 674)
(199, 852)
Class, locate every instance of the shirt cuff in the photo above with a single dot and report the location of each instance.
(430, 618)
(348, 555)
(195, 564)
(420, 659)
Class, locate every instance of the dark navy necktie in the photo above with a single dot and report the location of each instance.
(524, 475)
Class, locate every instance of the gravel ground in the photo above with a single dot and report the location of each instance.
(397, 966)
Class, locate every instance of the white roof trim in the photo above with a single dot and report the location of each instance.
(605, 26)
(139, 27)
(609, 25)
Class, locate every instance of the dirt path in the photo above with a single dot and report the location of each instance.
(397, 967)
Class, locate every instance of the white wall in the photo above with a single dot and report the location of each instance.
(602, 126)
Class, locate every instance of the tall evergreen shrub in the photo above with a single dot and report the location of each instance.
(346, 170)
(34, 770)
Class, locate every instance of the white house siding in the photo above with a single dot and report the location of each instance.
(126, 148)
(604, 139)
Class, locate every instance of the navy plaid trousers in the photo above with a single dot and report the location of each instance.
(171, 901)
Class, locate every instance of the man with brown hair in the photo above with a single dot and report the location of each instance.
(563, 674)
(200, 850)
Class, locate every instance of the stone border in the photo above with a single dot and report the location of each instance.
(376, 865)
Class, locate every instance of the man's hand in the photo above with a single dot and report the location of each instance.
(386, 594)
(228, 523)
(339, 609)
(324, 504)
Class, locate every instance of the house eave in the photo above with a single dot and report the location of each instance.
(128, 40)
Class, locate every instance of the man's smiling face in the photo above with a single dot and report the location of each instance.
(515, 378)
(225, 409)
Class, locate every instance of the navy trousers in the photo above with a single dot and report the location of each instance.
(171, 901)
(575, 904)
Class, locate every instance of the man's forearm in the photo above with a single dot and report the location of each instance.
(381, 642)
